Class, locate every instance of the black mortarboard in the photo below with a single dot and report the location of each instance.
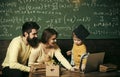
(81, 32)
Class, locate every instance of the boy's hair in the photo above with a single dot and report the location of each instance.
(47, 33)
(28, 26)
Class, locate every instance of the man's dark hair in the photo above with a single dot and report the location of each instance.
(28, 26)
(47, 33)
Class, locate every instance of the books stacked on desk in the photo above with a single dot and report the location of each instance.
(107, 67)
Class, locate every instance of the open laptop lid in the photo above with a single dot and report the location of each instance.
(93, 62)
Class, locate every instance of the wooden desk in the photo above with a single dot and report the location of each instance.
(77, 74)
(92, 74)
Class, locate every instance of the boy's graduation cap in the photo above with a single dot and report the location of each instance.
(81, 32)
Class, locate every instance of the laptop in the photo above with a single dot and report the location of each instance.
(93, 62)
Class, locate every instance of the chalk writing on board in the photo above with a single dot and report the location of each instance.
(101, 18)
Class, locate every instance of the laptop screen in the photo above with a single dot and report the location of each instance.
(93, 62)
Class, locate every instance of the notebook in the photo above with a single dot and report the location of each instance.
(93, 62)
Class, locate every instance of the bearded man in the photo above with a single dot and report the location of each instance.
(15, 62)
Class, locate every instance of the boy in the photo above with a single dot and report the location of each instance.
(79, 50)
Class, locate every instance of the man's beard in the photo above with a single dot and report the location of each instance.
(33, 42)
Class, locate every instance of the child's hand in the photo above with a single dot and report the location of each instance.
(69, 53)
(83, 67)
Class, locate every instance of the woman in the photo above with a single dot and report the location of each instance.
(47, 49)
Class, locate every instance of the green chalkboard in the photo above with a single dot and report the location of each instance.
(100, 17)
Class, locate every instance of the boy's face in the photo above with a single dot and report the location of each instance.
(76, 40)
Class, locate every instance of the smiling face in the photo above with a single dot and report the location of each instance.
(52, 41)
(33, 33)
(32, 37)
(48, 37)
(76, 40)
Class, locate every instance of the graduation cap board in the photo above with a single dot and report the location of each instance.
(81, 32)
